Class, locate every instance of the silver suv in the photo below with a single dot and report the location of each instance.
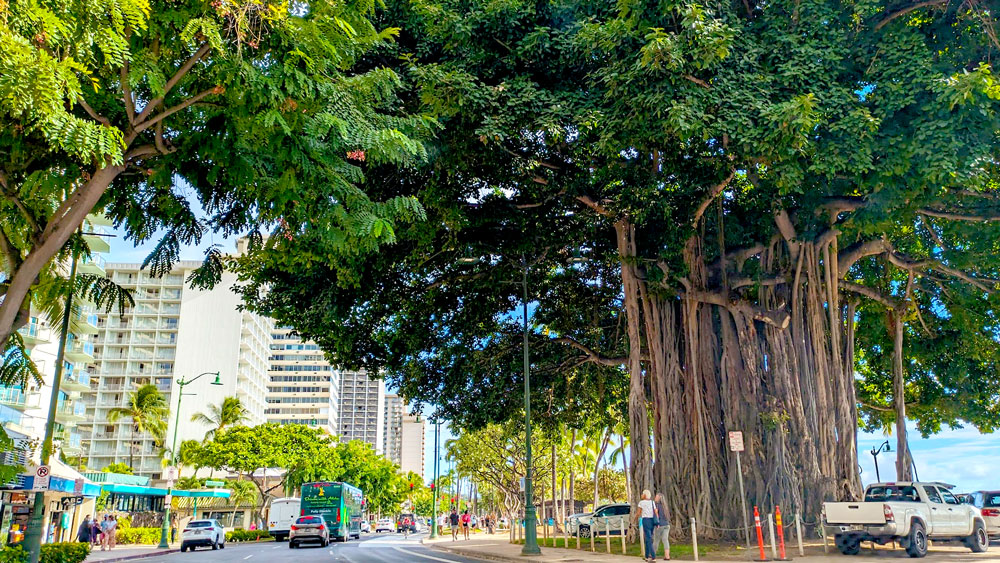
(309, 529)
(608, 518)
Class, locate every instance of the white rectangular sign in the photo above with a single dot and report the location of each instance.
(736, 441)
(41, 481)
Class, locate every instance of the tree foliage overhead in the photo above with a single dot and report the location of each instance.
(253, 111)
(754, 184)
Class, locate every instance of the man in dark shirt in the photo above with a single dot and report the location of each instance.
(453, 519)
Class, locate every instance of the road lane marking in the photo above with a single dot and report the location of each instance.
(248, 556)
(408, 552)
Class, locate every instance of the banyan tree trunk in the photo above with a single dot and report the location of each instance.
(641, 453)
(779, 370)
(904, 464)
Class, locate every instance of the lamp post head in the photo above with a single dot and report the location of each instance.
(218, 379)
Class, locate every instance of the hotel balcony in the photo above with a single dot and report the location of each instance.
(33, 333)
(70, 412)
(17, 399)
(79, 351)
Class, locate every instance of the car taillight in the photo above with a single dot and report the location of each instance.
(187, 529)
(887, 510)
(321, 527)
(991, 512)
(294, 527)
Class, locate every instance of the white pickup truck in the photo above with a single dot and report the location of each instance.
(907, 513)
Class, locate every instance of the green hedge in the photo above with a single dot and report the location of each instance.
(247, 535)
(128, 536)
(65, 552)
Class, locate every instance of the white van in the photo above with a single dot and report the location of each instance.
(280, 517)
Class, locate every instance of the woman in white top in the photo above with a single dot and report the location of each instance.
(647, 519)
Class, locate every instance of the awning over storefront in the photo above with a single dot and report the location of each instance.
(59, 485)
(117, 489)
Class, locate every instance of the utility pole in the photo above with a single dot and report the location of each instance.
(434, 487)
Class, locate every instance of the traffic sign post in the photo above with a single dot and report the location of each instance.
(736, 445)
(78, 487)
(41, 482)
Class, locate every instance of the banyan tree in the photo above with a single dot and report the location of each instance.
(733, 215)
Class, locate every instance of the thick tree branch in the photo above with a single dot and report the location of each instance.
(90, 111)
(593, 204)
(907, 263)
(168, 112)
(36, 228)
(710, 196)
(899, 13)
(181, 72)
(127, 94)
(850, 255)
(980, 218)
(592, 355)
(697, 81)
(872, 294)
(778, 318)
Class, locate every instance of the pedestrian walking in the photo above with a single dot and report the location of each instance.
(466, 523)
(86, 528)
(647, 520)
(661, 534)
(454, 524)
(95, 533)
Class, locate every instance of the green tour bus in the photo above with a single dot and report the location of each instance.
(338, 503)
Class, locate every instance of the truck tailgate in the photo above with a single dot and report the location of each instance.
(854, 513)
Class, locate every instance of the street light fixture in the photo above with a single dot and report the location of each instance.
(530, 532)
(875, 451)
(165, 526)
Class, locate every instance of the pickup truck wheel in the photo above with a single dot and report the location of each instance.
(847, 544)
(978, 542)
(917, 541)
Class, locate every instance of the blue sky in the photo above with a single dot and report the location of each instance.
(962, 457)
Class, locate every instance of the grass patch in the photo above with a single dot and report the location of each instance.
(677, 550)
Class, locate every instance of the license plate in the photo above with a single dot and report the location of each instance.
(857, 528)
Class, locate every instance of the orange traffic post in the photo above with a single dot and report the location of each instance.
(760, 534)
(781, 534)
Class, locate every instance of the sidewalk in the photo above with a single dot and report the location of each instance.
(128, 553)
(498, 548)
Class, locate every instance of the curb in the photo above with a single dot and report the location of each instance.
(133, 557)
(474, 554)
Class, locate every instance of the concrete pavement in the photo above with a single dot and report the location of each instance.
(382, 548)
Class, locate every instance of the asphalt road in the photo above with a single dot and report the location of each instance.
(381, 548)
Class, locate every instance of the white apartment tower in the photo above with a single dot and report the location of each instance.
(412, 444)
(393, 428)
(174, 331)
(303, 388)
(362, 409)
(29, 405)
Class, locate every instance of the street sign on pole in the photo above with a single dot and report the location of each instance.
(78, 486)
(736, 445)
(170, 473)
(41, 482)
(211, 483)
(736, 441)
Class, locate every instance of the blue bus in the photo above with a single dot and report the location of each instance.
(338, 503)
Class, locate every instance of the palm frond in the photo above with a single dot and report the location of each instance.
(17, 367)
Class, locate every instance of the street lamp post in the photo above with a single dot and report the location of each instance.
(530, 536)
(165, 526)
(434, 492)
(33, 537)
(875, 451)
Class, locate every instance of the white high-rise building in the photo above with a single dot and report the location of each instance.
(30, 403)
(412, 444)
(174, 331)
(303, 388)
(362, 409)
(392, 433)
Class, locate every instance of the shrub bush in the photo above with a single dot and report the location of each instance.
(13, 554)
(128, 536)
(240, 535)
(64, 552)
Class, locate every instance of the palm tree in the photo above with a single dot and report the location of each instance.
(230, 413)
(147, 408)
